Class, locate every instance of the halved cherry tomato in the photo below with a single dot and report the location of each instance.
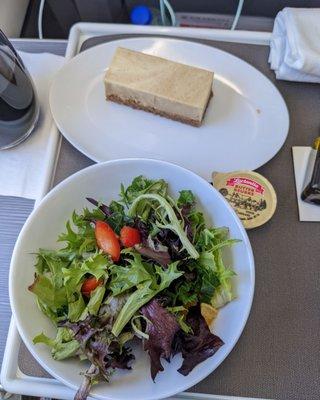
(90, 284)
(107, 240)
(129, 236)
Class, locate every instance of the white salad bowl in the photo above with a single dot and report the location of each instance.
(102, 181)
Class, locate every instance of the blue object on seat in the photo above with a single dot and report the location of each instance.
(140, 15)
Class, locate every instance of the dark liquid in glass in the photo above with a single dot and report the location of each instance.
(311, 193)
(18, 105)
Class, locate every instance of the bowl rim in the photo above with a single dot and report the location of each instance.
(65, 183)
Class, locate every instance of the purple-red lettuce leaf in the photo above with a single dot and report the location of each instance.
(150, 247)
(161, 328)
(99, 345)
(160, 257)
(199, 345)
(169, 239)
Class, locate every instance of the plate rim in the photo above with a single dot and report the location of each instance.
(80, 147)
(52, 193)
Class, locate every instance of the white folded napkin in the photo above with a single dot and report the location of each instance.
(22, 168)
(303, 168)
(295, 45)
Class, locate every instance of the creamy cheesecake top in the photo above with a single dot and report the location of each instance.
(160, 77)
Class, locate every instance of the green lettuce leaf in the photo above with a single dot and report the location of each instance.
(76, 304)
(212, 239)
(79, 236)
(51, 314)
(62, 347)
(49, 283)
(42, 338)
(144, 293)
(141, 185)
(94, 303)
(208, 278)
(74, 276)
(215, 278)
(186, 293)
(224, 293)
(117, 218)
(210, 282)
(51, 297)
(52, 261)
(186, 197)
(125, 278)
(96, 265)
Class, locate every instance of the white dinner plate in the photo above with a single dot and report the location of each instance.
(102, 181)
(244, 127)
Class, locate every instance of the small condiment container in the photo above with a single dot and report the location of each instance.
(250, 194)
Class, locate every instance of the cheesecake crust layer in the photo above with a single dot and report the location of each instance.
(138, 106)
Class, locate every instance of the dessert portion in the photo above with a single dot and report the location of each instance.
(160, 86)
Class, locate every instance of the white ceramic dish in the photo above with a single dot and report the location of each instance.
(245, 125)
(102, 181)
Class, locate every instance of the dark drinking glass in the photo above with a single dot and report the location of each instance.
(311, 193)
(19, 109)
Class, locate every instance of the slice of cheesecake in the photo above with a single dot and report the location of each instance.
(160, 86)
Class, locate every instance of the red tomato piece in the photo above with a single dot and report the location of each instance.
(129, 236)
(107, 240)
(89, 285)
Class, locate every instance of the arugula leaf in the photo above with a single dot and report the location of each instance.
(144, 293)
(136, 300)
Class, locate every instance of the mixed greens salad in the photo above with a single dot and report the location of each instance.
(146, 266)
